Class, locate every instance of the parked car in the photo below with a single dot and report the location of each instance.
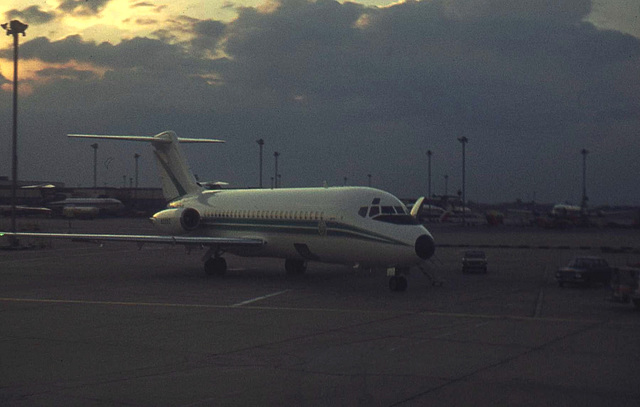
(474, 260)
(625, 285)
(585, 270)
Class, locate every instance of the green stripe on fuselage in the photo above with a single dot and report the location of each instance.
(299, 227)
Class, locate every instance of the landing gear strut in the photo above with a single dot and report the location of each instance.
(397, 283)
(215, 266)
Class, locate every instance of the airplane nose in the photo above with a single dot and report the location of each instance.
(425, 247)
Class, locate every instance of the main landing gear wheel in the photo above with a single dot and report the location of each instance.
(215, 266)
(295, 266)
(398, 283)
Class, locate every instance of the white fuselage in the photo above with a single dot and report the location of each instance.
(350, 225)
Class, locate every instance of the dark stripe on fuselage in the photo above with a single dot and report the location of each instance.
(311, 228)
(172, 177)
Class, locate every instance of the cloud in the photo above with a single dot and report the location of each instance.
(32, 15)
(413, 59)
(207, 35)
(558, 11)
(139, 53)
(341, 89)
(143, 4)
(67, 73)
(83, 7)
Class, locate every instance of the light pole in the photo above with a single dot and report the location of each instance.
(464, 141)
(369, 176)
(95, 164)
(14, 28)
(261, 144)
(584, 153)
(345, 181)
(429, 154)
(446, 185)
(135, 157)
(276, 155)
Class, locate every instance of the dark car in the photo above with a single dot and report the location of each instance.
(585, 270)
(474, 260)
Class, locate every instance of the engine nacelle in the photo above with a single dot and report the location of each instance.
(176, 221)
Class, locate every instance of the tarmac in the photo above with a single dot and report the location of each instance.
(85, 325)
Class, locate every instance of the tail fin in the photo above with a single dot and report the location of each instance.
(175, 174)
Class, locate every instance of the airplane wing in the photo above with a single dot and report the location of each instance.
(186, 240)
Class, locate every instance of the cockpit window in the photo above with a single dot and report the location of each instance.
(389, 214)
(397, 219)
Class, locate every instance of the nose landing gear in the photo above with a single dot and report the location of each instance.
(295, 266)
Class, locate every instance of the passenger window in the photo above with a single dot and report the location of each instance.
(363, 211)
(388, 210)
(400, 210)
(374, 211)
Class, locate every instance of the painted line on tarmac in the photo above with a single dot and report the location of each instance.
(603, 249)
(57, 254)
(303, 309)
(264, 297)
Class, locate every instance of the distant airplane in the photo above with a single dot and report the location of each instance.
(86, 207)
(354, 226)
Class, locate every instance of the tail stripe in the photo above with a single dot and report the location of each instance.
(174, 180)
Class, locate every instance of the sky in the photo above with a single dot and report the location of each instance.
(339, 89)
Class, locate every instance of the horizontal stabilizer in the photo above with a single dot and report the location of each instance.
(159, 138)
(177, 179)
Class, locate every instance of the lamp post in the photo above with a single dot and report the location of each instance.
(276, 155)
(95, 164)
(429, 154)
(463, 141)
(14, 28)
(261, 144)
(584, 153)
(369, 176)
(135, 157)
(446, 186)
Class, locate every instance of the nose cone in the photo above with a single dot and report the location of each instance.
(425, 247)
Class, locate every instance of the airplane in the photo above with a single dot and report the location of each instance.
(86, 207)
(357, 226)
